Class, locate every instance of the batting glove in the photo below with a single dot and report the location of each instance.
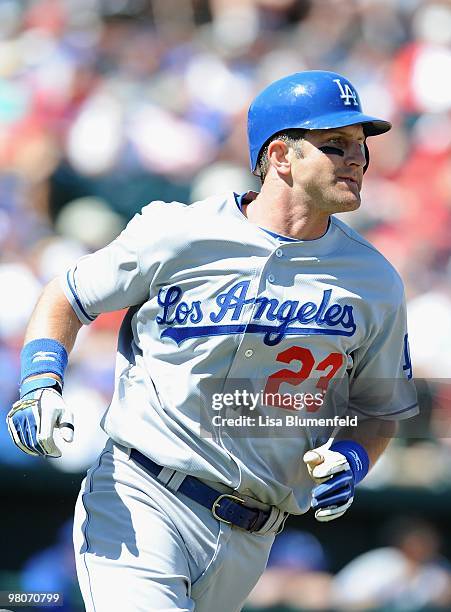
(336, 473)
(33, 419)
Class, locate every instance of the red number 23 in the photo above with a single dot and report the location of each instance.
(334, 361)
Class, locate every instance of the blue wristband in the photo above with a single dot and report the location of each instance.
(43, 356)
(356, 455)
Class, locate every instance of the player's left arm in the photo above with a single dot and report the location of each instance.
(373, 435)
(344, 461)
(381, 393)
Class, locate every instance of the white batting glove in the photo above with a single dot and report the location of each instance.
(332, 473)
(33, 420)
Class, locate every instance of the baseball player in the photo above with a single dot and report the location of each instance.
(268, 286)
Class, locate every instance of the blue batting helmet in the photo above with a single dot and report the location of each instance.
(310, 100)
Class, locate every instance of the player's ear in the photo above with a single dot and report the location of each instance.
(278, 156)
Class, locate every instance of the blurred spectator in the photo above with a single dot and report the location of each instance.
(296, 575)
(409, 574)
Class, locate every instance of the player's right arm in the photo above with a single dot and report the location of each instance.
(115, 277)
(49, 337)
(53, 317)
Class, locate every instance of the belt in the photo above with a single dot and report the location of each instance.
(225, 507)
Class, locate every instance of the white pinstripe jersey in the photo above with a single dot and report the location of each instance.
(214, 297)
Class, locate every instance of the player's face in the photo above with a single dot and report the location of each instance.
(330, 170)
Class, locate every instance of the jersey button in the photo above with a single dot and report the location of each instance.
(248, 353)
(271, 278)
(279, 253)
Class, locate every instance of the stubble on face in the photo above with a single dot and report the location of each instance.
(331, 182)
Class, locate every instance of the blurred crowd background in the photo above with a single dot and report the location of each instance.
(106, 105)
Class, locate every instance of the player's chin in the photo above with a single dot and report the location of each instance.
(347, 204)
(345, 197)
(352, 204)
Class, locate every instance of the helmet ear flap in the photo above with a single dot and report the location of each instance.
(367, 157)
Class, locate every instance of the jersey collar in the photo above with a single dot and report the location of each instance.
(328, 243)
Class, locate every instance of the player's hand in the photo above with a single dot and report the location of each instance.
(334, 492)
(33, 419)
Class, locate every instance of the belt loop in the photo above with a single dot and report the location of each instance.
(275, 522)
(166, 475)
(174, 481)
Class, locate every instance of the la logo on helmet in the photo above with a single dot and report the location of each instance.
(346, 93)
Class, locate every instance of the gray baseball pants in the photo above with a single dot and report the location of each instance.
(140, 547)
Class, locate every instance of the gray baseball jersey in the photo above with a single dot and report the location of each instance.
(213, 296)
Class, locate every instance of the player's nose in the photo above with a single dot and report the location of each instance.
(355, 154)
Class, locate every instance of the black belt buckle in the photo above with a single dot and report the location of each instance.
(258, 520)
(216, 503)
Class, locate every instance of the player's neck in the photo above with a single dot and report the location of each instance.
(279, 213)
